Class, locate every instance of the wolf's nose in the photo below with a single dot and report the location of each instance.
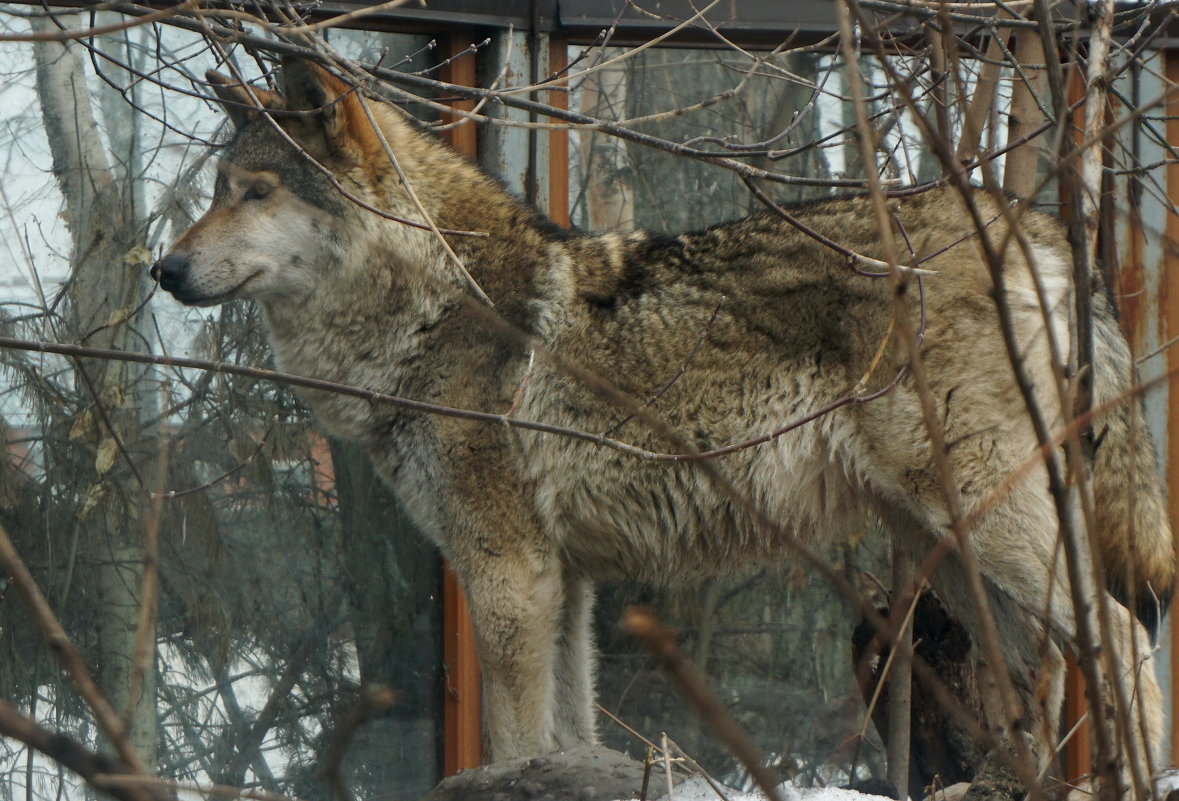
(169, 271)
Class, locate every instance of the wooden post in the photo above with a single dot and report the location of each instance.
(1078, 752)
(461, 71)
(462, 716)
(462, 713)
(1169, 301)
(559, 138)
(900, 676)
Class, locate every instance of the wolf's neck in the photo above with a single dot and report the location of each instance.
(508, 243)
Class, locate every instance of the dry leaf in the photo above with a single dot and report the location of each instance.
(93, 496)
(83, 424)
(104, 460)
(138, 256)
(112, 396)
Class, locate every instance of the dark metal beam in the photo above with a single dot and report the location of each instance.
(749, 23)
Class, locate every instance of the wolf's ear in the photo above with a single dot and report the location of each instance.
(240, 103)
(336, 123)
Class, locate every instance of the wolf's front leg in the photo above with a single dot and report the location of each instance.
(516, 598)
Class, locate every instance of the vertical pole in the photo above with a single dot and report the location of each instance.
(1169, 300)
(1078, 753)
(461, 704)
(559, 138)
(462, 716)
(900, 676)
(461, 71)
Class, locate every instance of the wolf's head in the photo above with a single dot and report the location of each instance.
(281, 201)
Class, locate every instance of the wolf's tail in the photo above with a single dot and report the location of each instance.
(1137, 545)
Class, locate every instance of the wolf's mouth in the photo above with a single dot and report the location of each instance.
(190, 298)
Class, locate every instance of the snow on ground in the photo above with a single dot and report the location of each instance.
(696, 789)
(1166, 782)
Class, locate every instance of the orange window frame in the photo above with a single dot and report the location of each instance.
(1169, 301)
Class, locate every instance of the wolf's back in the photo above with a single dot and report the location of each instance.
(1137, 545)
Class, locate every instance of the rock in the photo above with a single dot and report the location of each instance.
(955, 792)
(578, 774)
(880, 787)
(995, 780)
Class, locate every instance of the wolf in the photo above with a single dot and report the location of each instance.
(313, 218)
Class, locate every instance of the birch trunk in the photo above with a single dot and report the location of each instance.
(107, 281)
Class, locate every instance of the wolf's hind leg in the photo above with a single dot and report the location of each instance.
(1134, 671)
(1017, 543)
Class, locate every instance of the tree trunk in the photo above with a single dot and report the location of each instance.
(107, 282)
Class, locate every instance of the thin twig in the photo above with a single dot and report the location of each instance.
(661, 641)
(938, 450)
(371, 697)
(111, 781)
(69, 657)
(86, 33)
(373, 396)
(95, 768)
(676, 376)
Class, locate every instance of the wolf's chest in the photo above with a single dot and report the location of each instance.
(364, 363)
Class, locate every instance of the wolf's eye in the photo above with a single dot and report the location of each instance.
(258, 190)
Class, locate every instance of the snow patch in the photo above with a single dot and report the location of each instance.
(696, 789)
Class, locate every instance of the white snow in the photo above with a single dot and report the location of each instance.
(696, 789)
(1165, 782)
